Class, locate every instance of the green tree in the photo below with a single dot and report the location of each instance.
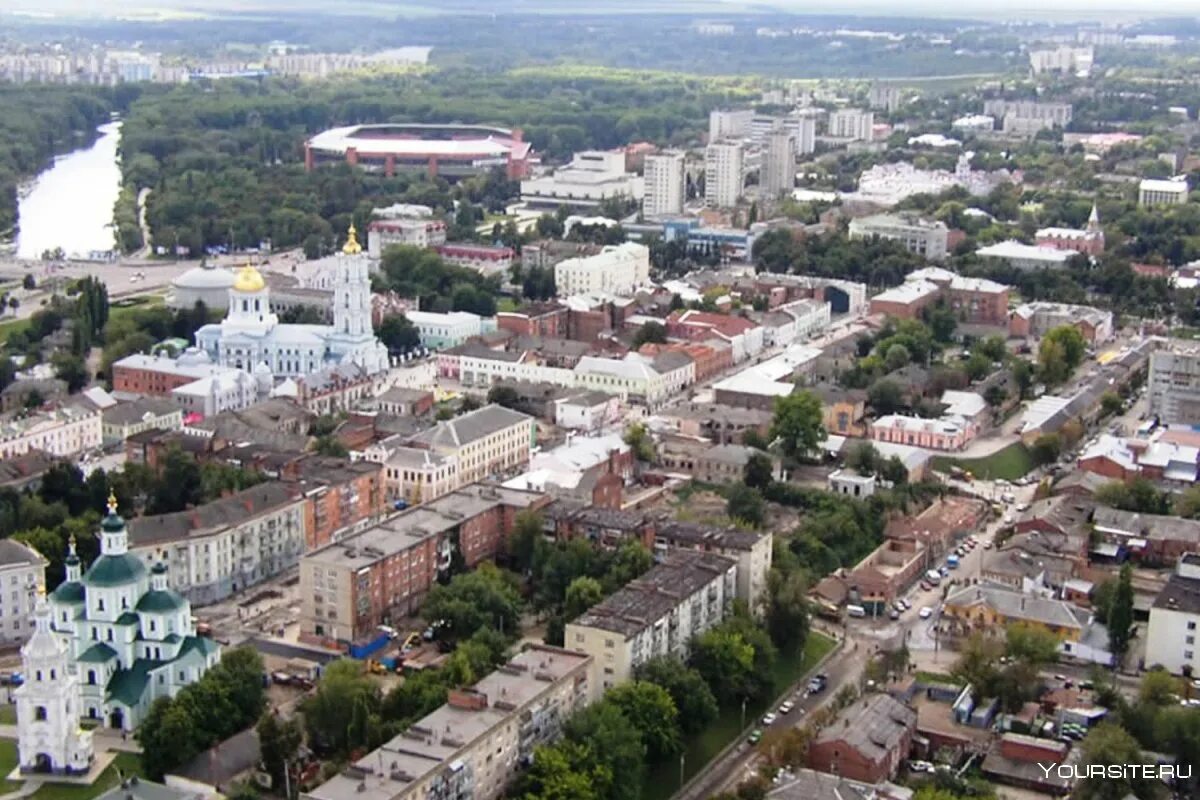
(582, 594)
(484, 597)
(652, 711)
(1046, 448)
(565, 771)
(1159, 689)
(505, 396)
(398, 333)
(330, 710)
(745, 503)
(1106, 744)
(863, 458)
(167, 738)
(1031, 643)
(638, 438)
(615, 746)
(1111, 403)
(1060, 352)
(1187, 503)
(995, 395)
(1120, 616)
(885, 397)
(279, 740)
(523, 541)
(759, 471)
(694, 700)
(72, 370)
(1177, 731)
(650, 333)
(797, 423)
(896, 358)
(788, 610)
(726, 662)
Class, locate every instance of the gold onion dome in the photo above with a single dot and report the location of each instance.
(249, 279)
(352, 247)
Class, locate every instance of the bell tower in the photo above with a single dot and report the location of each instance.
(352, 292)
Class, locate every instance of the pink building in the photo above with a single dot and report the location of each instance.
(945, 433)
(1089, 241)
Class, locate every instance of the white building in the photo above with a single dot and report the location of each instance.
(974, 122)
(130, 639)
(226, 546)
(383, 233)
(805, 127)
(733, 124)
(884, 96)
(888, 184)
(812, 317)
(1026, 256)
(1174, 619)
(191, 380)
(1064, 60)
(1174, 386)
(855, 124)
(925, 237)
(665, 184)
(617, 269)
(1052, 115)
(592, 177)
(849, 483)
(658, 614)
(66, 431)
(1152, 192)
(778, 173)
(587, 411)
(208, 284)
(22, 579)
(723, 173)
(450, 329)
(636, 377)
(251, 335)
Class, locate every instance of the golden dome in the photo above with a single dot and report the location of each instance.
(352, 247)
(249, 280)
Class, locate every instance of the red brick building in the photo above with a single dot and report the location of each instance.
(867, 741)
(548, 320)
(710, 359)
(976, 301)
(338, 494)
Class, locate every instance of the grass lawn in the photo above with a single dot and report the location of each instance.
(1010, 463)
(8, 714)
(125, 764)
(506, 303)
(937, 677)
(662, 780)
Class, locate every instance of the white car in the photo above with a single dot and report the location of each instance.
(786, 708)
(926, 612)
(769, 719)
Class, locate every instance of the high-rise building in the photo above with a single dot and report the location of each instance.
(723, 174)
(852, 123)
(665, 184)
(883, 96)
(806, 130)
(1175, 386)
(732, 124)
(778, 173)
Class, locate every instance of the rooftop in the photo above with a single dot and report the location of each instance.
(228, 512)
(874, 726)
(653, 596)
(1025, 252)
(139, 410)
(13, 553)
(471, 427)
(1013, 605)
(907, 292)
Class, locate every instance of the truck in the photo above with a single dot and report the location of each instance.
(952, 561)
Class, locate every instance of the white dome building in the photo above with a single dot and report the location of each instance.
(208, 284)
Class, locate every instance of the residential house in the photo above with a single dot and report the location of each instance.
(1150, 538)
(1174, 618)
(867, 741)
(123, 420)
(844, 410)
(990, 609)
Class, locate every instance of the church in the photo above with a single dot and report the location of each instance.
(108, 643)
(252, 338)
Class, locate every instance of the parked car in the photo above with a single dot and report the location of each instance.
(893, 614)
(755, 736)
(769, 719)
(787, 707)
(925, 613)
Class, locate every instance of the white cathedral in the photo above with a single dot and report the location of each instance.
(107, 644)
(252, 338)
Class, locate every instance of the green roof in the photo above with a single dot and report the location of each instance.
(112, 523)
(160, 602)
(70, 592)
(98, 653)
(128, 618)
(128, 685)
(201, 644)
(115, 571)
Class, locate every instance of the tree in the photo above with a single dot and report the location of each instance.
(894, 472)
(1111, 403)
(582, 594)
(167, 738)
(1177, 731)
(885, 397)
(1159, 689)
(995, 395)
(278, 741)
(564, 771)
(505, 396)
(1120, 616)
(759, 471)
(1061, 351)
(1187, 503)
(482, 598)
(1107, 744)
(1022, 372)
(398, 334)
(863, 458)
(797, 423)
(726, 662)
(523, 541)
(1029, 643)
(1046, 448)
(896, 358)
(615, 746)
(788, 611)
(72, 370)
(745, 503)
(180, 485)
(650, 333)
(638, 438)
(694, 700)
(28, 282)
(329, 712)
(652, 711)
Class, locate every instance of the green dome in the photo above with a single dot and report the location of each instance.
(113, 523)
(115, 571)
(70, 592)
(159, 602)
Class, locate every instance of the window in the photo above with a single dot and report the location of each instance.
(99, 603)
(39, 713)
(91, 677)
(1187, 654)
(1192, 625)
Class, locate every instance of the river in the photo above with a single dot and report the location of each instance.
(70, 204)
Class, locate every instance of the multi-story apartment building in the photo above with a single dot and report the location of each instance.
(484, 442)
(657, 614)
(884, 97)
(383, 233)
(65, 431)
(352, 586)
(751, 550)
(778, 173)
(486, 259)
(535, 319)
(925, 237)
(636, 378)
(1055, 115)
(977, 301)
(617, 269)
(220, 548)
(724, 172)
(22, 581)
(123, 420)
(852, 123)
(339, 495)
(665, 184)
(1038, 318)
(438, 330)
(1157, 192)
(729, 124)
(1066, 60)
(1175, 386)
(472, 747)
(1175, 618)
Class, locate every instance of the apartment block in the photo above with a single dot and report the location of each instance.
(375, 576)
(665, 185)
(617, 269)
(1174, 619)
(489, 440)
(384, 233)
(223, 547)
(729, 124)
(658, 614)
(1175, 386)
(925, 237)
(852, 123)
(724, 173)
(65, 431)
(472, 747)
(339, 495)
(22, 580)
(778, 173)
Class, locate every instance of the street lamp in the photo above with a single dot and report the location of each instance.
(744, 713)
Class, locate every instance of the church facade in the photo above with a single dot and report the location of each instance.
(252, 338)
(123, 640)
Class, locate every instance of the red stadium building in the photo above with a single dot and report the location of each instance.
(451, 151)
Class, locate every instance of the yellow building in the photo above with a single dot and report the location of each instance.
(991, 609)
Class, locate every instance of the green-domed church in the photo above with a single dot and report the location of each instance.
(130, 638)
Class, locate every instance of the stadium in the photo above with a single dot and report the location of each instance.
(451, 151)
